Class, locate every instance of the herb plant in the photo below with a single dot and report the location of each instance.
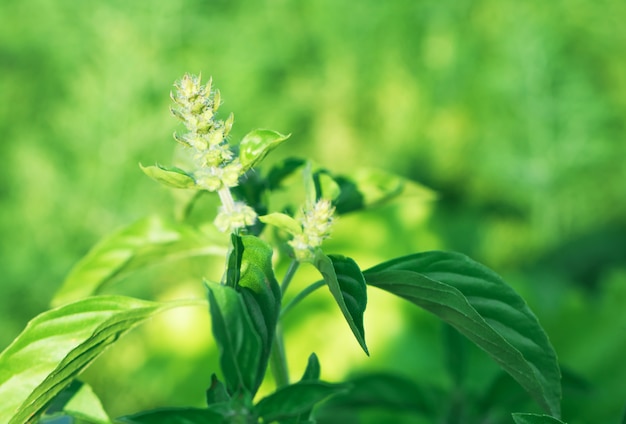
(39, 371)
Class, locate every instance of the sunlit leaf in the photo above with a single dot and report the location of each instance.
(293, 400)
(169, 176)
(283, 222)
(535, 419)
(348, 287)
(57, 345)
(87, 406)
(147, 242)
(257, 144)
(175, 416)
(282, 170)
(475, 301)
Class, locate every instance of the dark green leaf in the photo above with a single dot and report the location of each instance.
(175, 416)
(147, 242)
(169, 176)
(216, 393)
(535, 419)
(59, 344)
(291, 401)
(283, 170)
(239, 343)
(261, 295)
(347, 285)
(476, 301)
(386, 392)
(313, 370)
(234, 261)
(257, 144)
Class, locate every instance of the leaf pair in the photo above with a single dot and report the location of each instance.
(244, 314)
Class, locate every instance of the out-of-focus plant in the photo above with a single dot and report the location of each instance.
(39, 370)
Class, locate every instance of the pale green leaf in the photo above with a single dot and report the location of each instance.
(283, 222)
(57, 345)
(170, 177)
(147, 242)
(257, 144)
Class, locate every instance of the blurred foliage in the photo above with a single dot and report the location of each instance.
(514, 112)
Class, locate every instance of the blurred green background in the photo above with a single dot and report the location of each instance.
(513, 112)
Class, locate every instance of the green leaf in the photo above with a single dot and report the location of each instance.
(283, 222)
(175, 416)
(313, 369)
(387, 392)
(86, 406)
(293, 400)
(235, 255)
(535, 419)
(239, 343)
(57, 345)
(279, 172)
(169, 176)
(261, 295)
(257, 144)
(347, 285)
(147, 242)
(216, 393)
(480, 305)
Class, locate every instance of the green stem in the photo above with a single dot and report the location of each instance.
(278, 359)
(291, 271)
(300, 296)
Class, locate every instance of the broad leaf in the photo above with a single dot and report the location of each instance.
(79, 401)
(257, 144)
(59, 344)
(476, 301)
(261, 295)
(241, 347)
(293, 400)
(282, 170)
(348, 287)
(386, 392)
(175, 416)
(169, 176)
(147, 242)
(535, 419)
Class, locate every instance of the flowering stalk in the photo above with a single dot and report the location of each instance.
(216, 167)
(316, 223)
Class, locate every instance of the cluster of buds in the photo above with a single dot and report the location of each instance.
(216, 167)
(316, 224)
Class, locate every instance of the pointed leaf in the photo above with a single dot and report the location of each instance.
(535, 419)
(235, 255)
(313, 369)
(257, 144)
(239, 343)
(169, 176)
(476, 301)
(216, 393)
(59, 344)
(175, 416)
(261, 295)
(347, 285)
(291, 401)
(147, 242)
(283, 222)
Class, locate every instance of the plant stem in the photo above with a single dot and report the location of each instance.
(293, 267)
(304, 293)
(278, 359)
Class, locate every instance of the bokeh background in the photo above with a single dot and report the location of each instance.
(512, 112)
